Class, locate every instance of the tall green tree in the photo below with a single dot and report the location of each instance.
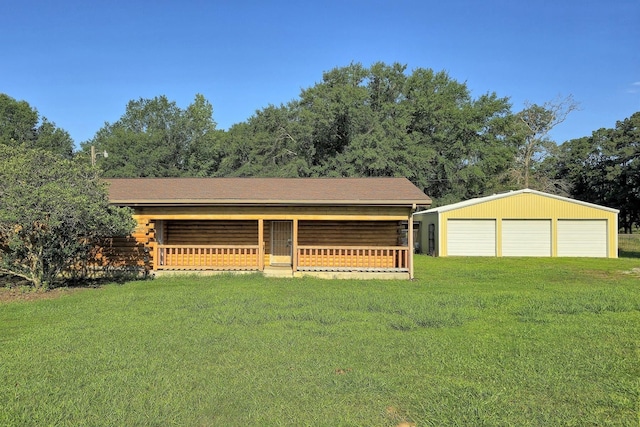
(156, 138)
(461, 140)
(626, 171)
(202, 140)
(22, 126)
(379, 144)
(532, 142)
(52, 211)
(604, 168)
(271, 143)
(380, 121)
(336, 111)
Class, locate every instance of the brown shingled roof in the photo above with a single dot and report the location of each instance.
(265, 191)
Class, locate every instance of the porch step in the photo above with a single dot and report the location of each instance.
(272, 271)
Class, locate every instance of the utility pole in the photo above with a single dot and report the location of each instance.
(94, 155)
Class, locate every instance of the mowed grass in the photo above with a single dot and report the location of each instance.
(470, 342)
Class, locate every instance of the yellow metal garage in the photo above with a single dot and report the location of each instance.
(519, 223)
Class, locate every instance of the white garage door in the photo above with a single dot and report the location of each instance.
(582, 238)
(526, 237)
(471, 237)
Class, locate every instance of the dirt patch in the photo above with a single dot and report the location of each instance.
(633, 271)
(27, 294)
(396, 416)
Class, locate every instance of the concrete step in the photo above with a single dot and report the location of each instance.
(272, 271)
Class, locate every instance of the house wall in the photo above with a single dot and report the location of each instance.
(348, 233)
(123, 251)
(199, 232)
(226, 225)
(118, 252)
(527, 206)
(336, 234)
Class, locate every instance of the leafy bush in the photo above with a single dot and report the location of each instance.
(51, 211)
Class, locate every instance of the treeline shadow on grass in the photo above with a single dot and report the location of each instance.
(95, 282)
(78, 281)
(628, 254)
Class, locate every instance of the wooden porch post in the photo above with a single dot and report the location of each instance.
(410, 241)
(294, 245)
(155, 259)
(158, 239)
(261, 244)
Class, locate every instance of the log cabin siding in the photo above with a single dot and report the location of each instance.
(216, 232)
(119, 252)
(310, 233)
(328, 233)
(125, 252)
(195, 232)
(342, 234)
(348, 233)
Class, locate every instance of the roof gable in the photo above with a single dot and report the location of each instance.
(471, 202)
(264, 191)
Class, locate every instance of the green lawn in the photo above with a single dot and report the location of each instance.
(485, 341)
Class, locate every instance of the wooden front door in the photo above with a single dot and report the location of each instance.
(281, 235)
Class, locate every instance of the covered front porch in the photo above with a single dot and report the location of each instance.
(282, 247)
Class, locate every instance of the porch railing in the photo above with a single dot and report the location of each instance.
(353, 258)
(210, 257)
(309, 258)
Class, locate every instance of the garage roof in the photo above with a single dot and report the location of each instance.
(478, 200)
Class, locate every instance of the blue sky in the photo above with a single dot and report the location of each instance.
(79, 62)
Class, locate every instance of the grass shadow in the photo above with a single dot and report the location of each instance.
(96, 282)
(628, 254)
(629, 245)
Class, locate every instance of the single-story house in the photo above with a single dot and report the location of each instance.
(519, 223)
(334, 227)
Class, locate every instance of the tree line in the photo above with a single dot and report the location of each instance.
(384, 121)
(357, 121)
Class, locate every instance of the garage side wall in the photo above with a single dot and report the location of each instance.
(428, 230)
(531, 206)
